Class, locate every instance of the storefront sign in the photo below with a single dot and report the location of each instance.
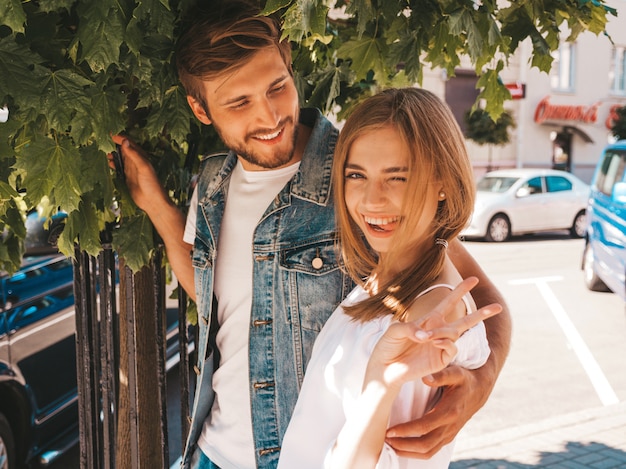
(612, 117)
(546, 111)
(517, 90)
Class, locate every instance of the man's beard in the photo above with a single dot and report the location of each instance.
(277, 159)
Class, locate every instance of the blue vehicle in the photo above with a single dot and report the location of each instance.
(38, 375)
(604, 258)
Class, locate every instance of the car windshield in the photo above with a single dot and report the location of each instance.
(495, 184)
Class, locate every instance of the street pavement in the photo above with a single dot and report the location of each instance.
(583, 440)
(594, 438)
(587, 439)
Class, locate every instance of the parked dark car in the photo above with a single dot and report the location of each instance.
(38, 380)
(38, 400)
(604, 256)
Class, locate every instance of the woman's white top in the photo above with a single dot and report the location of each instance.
(334, 379)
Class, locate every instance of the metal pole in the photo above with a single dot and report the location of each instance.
(183, 366)
(85, 362)
(122, 382)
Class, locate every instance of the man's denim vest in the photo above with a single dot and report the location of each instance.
(297, 285)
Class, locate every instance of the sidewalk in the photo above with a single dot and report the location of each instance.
(583, 440)
(589, 439)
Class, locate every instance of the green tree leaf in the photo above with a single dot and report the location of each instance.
(135, 239)
(101, 33)
(103, 118)
(73, 72)
(364, 11)
(18, 74)
(12, 15)
(61, 88)
(273, 6)
(482, 129)
(51, 169)
(84, 226)
(12, 240)
(493, 91)
(366, 56)
(7, 194)
(172, 117)
(306, 21)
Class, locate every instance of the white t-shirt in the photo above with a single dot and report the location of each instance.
(334, 379)
(226, 436)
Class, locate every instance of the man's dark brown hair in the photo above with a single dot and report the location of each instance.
(221, 38)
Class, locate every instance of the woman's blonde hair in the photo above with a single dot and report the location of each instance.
(437, 155)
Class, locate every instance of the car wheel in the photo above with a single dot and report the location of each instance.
(579, 227)
(7, 445)
(592, 281)
(498, 229)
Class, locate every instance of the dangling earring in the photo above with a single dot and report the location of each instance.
(442, 195)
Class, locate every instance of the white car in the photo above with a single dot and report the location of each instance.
(524, 200)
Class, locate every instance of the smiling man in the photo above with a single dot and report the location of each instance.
(263, 265)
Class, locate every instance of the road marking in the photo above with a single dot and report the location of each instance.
(594, 372)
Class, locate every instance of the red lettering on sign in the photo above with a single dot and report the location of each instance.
(613, 116)
(546, 111)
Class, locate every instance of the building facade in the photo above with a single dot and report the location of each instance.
(563, 118)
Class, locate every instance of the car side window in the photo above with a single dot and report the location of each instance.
(534, 186)
(62, 264)
(40, 307)
(557, 184)
(22, 277)
(612, 171)
(3, 324)
(35, 307)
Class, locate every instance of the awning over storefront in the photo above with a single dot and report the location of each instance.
(576, 131)
(570, 129)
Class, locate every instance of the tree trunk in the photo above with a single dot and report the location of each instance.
(140, 432)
